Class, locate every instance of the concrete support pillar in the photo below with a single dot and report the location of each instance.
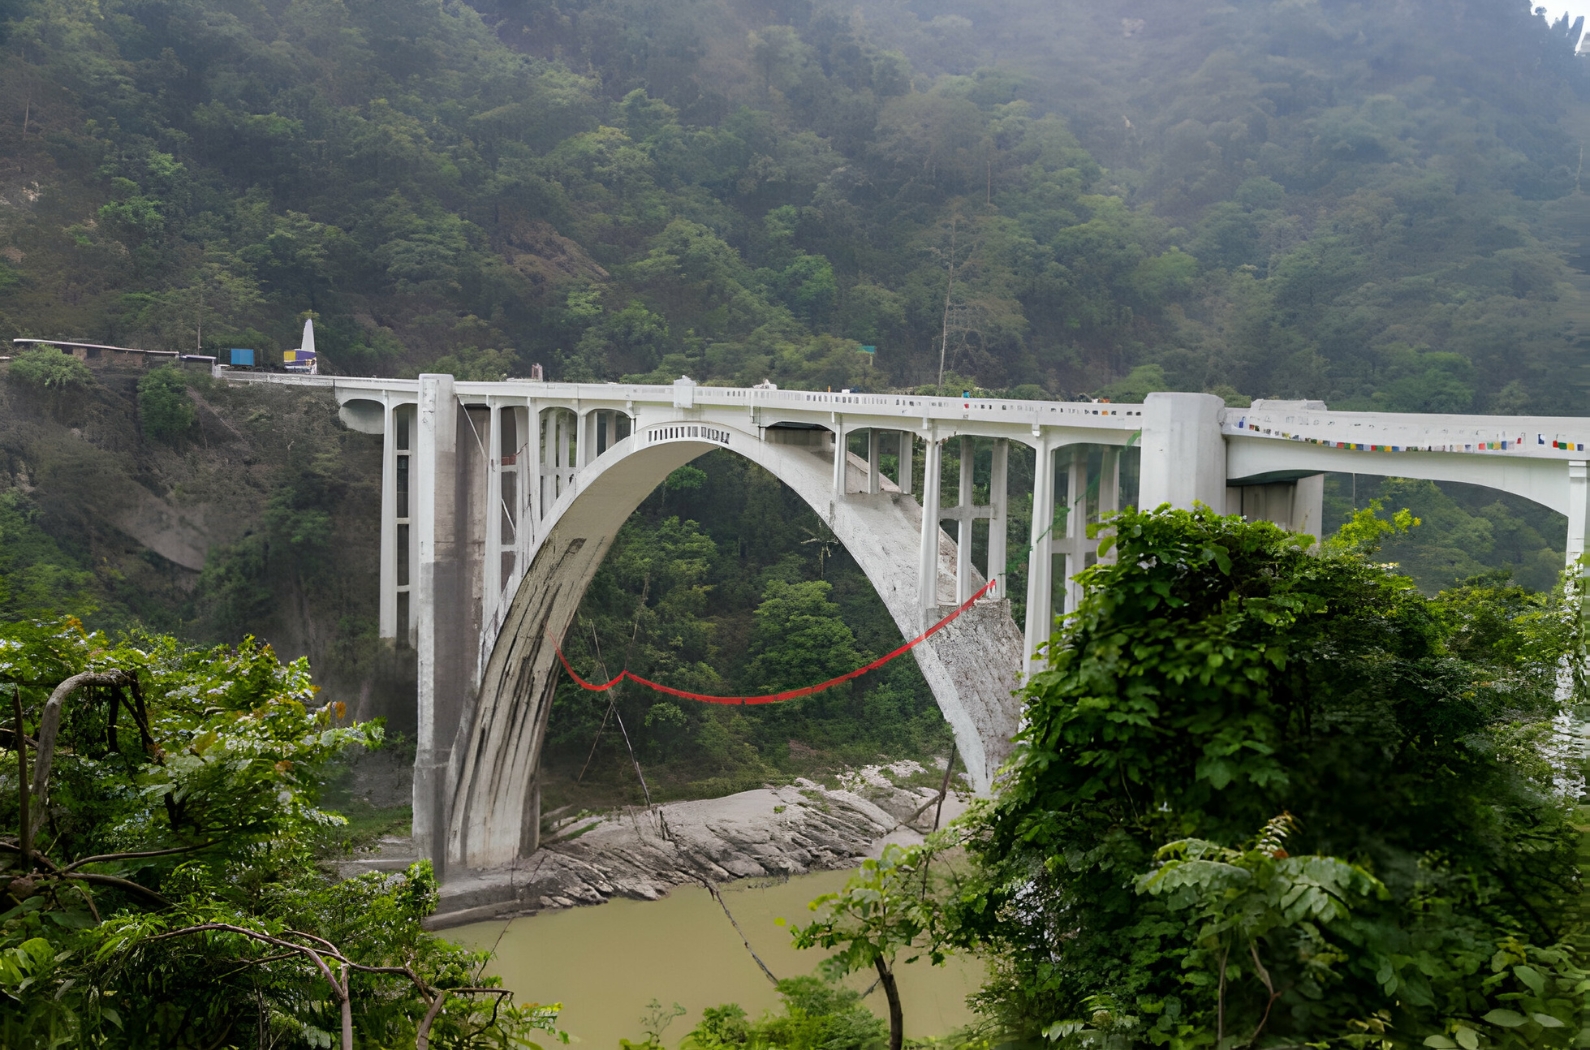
(927, 580)
(874, 457)
(491, 556)
(560, 452)
(841, 456)
(997, 509)
(439, 598)
(903, 469)
(1578, 495)
(536, 450)
(1040, 559)
(387, 625)
(963, 532)
(1109, 489)
(1308, 505)
(1076, 523)
(565, 464)
(584, 442)
(1184, 454)
(523, 470)
(408, 547)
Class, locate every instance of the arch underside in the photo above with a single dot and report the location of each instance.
(971, 666)
(1538, 480)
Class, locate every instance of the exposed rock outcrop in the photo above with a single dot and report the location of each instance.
(643, 853)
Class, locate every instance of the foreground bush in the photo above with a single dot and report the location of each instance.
(159, 886)
(1415, 882)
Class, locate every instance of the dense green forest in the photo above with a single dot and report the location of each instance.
(1365, 203)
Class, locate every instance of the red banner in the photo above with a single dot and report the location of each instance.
(771, 698)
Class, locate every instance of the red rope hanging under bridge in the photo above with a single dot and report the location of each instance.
(770, 698)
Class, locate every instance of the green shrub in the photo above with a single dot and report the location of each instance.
(50, 369)
(163, 403)
(816, 1015)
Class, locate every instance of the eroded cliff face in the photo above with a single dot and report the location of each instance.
(261, 520)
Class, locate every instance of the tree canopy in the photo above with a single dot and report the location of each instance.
(1220, 680)
(159, 866)
(1377, 205)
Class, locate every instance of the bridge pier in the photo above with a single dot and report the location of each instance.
(442, 646)
(998, 512)
(491, 573)
(1040, 557)
(928, 553)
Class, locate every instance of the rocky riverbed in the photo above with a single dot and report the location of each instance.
(643, 853)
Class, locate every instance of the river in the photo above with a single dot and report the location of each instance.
(605, 963)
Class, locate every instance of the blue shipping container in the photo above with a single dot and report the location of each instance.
(242, 358)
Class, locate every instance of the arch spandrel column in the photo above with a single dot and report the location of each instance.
(970, 666)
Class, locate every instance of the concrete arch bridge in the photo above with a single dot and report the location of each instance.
(499, 501)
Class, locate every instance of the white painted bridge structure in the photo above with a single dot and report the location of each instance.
(500, 499)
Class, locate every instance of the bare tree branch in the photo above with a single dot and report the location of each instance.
(108, 858)
(49, 727)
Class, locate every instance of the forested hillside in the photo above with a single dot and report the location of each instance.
(1367, 203)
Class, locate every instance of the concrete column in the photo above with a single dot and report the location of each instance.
(1578, 493)
(1308, 505)
(927, 579)
(874, 457)
(1040, 561)
(1184, 454)
(573, 440)
(963, 531)
(387, 613)
(438, 598)
(491, 556)
(560, 452)
(410, 420)
(565, 452)
(1109, 489)
(523, 517)
(1076, 524)
(997, 509)
(903, 469)
(841, 456)
(585, 442)
(536, 450)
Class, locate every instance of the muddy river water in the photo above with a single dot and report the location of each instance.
(605, 963)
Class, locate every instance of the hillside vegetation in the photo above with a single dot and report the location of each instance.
(1371, 204)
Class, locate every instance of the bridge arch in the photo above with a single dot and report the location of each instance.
(492, 800)
(486, 588)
